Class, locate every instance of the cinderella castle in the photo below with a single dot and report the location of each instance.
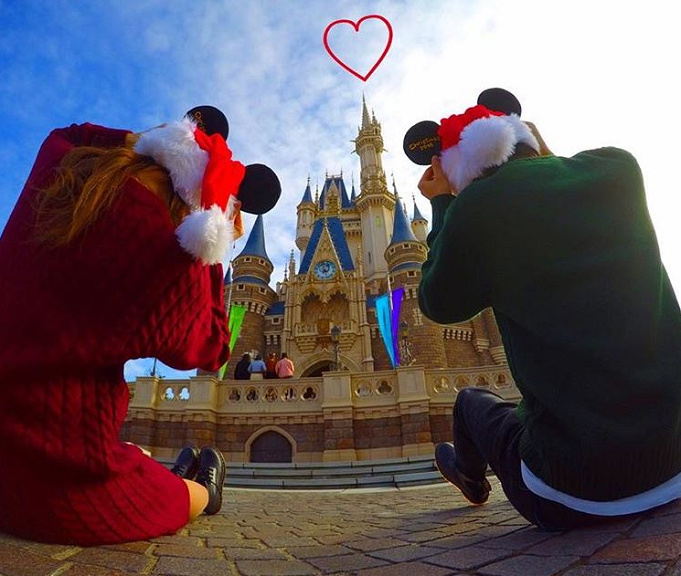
(347, 400)
(353, 247)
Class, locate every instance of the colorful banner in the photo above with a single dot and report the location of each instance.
(398, 296)
(388, 316)
(236, 320)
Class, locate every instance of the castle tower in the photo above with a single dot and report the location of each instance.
(251, 274)
(306, 214)
(404, 256)
(334, 197)
(375, 203)
(419, 225)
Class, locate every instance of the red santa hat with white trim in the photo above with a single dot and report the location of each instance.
(484, 136)
(213, 185)
(478, 139)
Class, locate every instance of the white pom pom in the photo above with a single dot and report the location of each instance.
(484, 143)
(207, 235)
(174, 147)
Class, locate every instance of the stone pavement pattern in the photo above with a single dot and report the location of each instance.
(427, 531)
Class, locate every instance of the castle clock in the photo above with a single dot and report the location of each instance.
(325, 270)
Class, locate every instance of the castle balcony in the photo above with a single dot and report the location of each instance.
(323, 329)
(340, 416)
(310, 395)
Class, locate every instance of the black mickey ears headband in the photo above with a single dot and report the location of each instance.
(260, 189)
(421, 142)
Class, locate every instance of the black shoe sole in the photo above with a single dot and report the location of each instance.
(458, 481)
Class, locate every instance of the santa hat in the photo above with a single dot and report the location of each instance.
(478, 139)
(206, 178)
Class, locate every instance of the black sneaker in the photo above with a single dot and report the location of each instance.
(475, 491)
(187, 463)
(211, 475)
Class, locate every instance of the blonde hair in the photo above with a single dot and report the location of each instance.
(87, 183)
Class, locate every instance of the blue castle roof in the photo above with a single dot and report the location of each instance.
(402, 231)
(335, 227)
(277, 309)
(338, 181)
(249, 280)
(417, 214)
(307, 195)
(255, 245)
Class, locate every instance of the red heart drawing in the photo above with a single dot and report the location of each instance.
(356, 27)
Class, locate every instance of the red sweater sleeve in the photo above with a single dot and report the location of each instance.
(91, 135)
(190, 324)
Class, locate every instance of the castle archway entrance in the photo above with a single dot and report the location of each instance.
(317, 369)
(271, 446)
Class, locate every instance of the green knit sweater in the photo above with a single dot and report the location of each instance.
(564, 251)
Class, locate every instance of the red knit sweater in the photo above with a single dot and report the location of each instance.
(69, 319)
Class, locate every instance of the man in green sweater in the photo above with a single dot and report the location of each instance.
(564, 251)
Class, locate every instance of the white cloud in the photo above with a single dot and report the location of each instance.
(587, 73)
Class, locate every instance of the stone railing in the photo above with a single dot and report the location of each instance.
(443, 384)
(276, 395)
(313, 395)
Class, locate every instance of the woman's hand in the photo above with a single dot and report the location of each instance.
(131, 139)
(434, 182)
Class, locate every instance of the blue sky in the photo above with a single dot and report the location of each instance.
(588, 74)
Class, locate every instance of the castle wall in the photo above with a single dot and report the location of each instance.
(340, 417)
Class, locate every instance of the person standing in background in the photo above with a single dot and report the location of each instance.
(241, 370)
(271, 363)
(257, 368)
(284, 367)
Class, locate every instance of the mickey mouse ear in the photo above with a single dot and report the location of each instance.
(210, 120)
(259, 190)
(500, 100)
(421, 142)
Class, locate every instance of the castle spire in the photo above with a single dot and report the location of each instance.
(366, 121)
(402, 231)
(307, 195)
(417, 213)
(292, 265)
(255, 245)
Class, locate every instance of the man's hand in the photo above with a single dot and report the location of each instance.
(434, 182)
(543, 148)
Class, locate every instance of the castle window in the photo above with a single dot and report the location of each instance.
(261, 290)
(369, 258)
(384, 388)
(405, 245)
(411, 273)
(241, 287)
(247, 259)
(276, 320)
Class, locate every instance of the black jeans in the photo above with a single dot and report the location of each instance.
(487, 431)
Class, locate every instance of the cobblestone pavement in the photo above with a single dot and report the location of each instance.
(426, 531)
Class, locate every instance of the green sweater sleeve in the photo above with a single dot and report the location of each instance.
(452, 288)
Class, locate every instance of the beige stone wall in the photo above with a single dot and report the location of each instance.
(340, 417)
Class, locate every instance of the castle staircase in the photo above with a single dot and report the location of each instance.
(388, 473)
(391, 473)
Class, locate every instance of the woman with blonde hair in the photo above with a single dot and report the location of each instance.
(111, 253)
